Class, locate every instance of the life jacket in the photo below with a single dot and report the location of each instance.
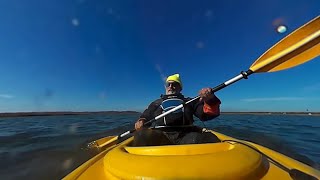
(175, 118)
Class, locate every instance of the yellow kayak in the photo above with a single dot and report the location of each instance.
(229, 159)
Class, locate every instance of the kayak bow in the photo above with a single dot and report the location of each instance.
(228, 159)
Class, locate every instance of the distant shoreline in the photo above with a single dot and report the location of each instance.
(65, 113)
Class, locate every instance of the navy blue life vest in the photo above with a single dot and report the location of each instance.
(174, 118)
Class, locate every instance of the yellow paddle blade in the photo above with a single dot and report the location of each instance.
(300, 46)
(102, 142)
(105, 140)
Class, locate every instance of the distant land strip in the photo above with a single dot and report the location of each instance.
(64, 113)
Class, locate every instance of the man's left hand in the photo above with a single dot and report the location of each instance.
(206, 94)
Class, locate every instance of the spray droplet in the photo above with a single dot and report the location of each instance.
(75, 22)
(200, 45)
(102, 95)
(74, 128)
(66, 164)
(282, 29)
(110, 11)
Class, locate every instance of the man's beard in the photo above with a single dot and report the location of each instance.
(171, 92)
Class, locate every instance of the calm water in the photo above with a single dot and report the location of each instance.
(51, 147)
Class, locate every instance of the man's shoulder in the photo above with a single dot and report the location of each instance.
(156, 102)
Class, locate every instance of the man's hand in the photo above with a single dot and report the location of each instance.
(138, 125)
(206, 94)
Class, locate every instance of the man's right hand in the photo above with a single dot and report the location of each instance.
(138, 125)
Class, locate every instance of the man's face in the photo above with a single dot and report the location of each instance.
(172, 87)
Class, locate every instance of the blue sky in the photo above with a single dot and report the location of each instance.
(86, 55)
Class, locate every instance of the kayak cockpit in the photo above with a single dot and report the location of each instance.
(193, 161)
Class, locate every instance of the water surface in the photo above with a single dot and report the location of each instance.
(49, 147)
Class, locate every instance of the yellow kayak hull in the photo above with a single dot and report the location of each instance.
(230, 159)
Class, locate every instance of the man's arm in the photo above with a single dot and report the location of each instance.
(208, 107)
(147, 115)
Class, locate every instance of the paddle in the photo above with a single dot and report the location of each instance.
(300, 46)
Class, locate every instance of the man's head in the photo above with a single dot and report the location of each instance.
(173, 84)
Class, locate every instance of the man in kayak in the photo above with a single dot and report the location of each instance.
(177, 127)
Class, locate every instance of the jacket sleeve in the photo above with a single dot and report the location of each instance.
(149, 113)
(207, 110)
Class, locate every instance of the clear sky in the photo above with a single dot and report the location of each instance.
(83, 55)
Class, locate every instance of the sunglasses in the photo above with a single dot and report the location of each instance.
(173, 84)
